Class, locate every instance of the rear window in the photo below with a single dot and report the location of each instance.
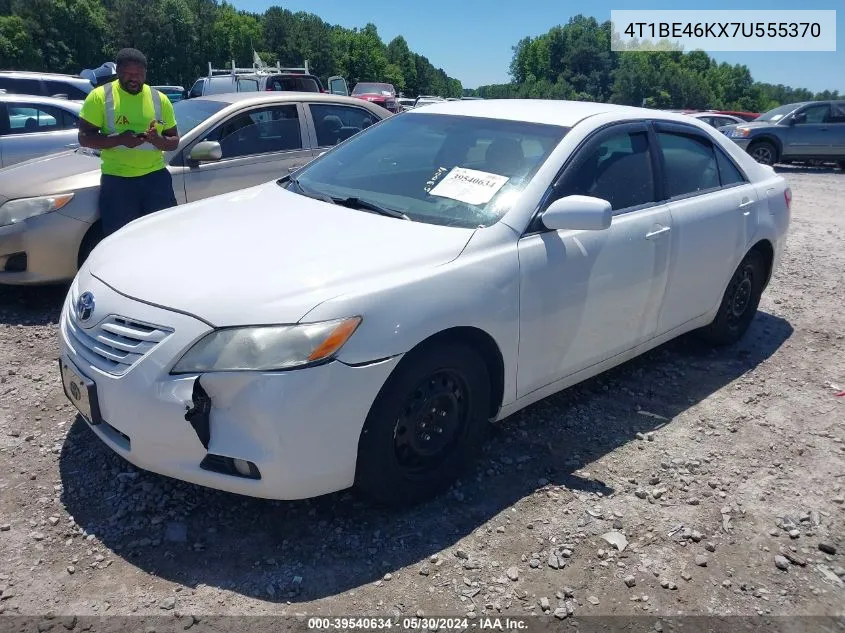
(219, 85)
(293, 83)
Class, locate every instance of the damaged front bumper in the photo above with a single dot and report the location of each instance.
(276, 435)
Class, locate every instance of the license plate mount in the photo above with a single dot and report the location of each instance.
(81, 391)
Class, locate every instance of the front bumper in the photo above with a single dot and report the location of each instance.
(51, 244)
(299, 428)
(742, 142)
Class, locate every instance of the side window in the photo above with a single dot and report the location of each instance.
(813, 114)
(24, 86)
(307, 84)
(336, 123)
(26, 118)
(837, 113)
(60, 88)
(729, 174)
(689, 164)
(247, 85)
(619, 170)
(263, 131)
(196, 89)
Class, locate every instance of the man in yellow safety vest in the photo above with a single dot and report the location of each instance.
(132, 125)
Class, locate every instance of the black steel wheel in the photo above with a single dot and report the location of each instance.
(739, 302)
(425, 426)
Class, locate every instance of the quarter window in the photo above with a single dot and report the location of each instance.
(263, 131)
(619, 170)
(689, 164)
(729, 174)
(335, 123)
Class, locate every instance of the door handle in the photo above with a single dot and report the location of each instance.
(72, 145)
(658, 232)
(293, 169)
(747, 204)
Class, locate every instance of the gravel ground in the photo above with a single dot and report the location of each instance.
(685, 482)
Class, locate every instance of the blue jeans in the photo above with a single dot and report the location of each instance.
(124, 199)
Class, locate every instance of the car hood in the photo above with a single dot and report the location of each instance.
(264, 255)
(749, 124)
(53, 173)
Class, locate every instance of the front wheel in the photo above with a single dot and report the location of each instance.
(763, 152)
(426, 425)
(739, 303)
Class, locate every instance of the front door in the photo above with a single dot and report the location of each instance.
(586, 296)
(259, 144)
(808, 134)
(337, 86)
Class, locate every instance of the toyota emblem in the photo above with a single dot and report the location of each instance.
(85, 306)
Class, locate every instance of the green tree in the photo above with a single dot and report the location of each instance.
(17, 50)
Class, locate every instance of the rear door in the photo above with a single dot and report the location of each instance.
(31, 130)
(332, 123)
(714, 212)
(836, 131)
(259, 144)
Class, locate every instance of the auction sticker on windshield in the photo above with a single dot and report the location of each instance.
(469, 185)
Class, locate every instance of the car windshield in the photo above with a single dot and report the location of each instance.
(367, 88)
(440, 169)
(777, 114)
(191, 112)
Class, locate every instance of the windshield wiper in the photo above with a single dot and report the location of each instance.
(357, 203)
(352, 203)
(311, 194)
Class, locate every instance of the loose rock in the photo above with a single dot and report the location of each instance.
(630, 581)
(701, 560)
(827, 548)
(513, 573)
(781, 562)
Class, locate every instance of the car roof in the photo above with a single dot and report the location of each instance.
(35, 99)
(277, 95)
(545, 111)
(26, 74)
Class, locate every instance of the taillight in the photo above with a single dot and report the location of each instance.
(787, 196)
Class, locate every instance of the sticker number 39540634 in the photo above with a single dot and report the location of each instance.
(469, 185)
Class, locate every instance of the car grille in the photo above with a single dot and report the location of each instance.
(115, 344)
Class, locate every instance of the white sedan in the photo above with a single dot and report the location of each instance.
(362, 321)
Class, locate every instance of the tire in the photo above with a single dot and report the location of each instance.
(763, 152)
(93, 237)
(400, 462)
(739, 302)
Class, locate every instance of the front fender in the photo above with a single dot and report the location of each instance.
(479, 289)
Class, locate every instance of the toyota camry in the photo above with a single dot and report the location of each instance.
(362, 321)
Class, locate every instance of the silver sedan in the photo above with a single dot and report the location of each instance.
(49, 217)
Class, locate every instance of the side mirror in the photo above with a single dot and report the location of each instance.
(578, 213)
(206, 151)
(798, 118)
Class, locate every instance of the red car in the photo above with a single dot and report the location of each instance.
(748, 116)
(378, 93)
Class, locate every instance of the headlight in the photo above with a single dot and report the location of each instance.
(267, 348)
(741, 132)
(19, 210)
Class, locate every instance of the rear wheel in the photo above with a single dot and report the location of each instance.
(425, 427)
(739, 303)
(763, 152)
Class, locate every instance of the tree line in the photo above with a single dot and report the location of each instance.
(180, 38)
(575, 61)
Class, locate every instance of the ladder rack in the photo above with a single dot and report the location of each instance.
(257, 70)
